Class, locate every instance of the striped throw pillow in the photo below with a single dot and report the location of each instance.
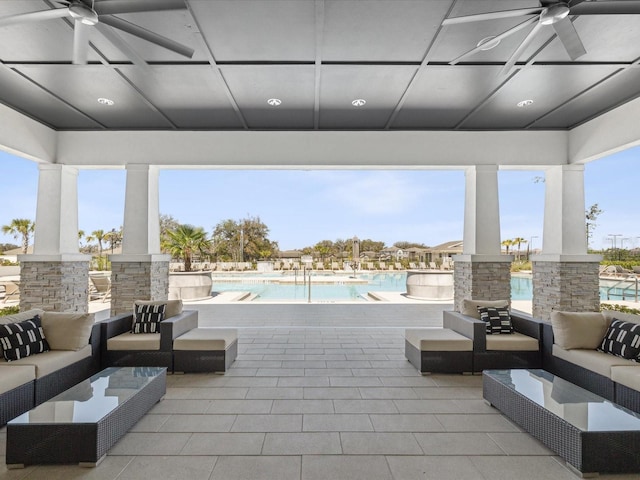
(21, 339)
(147, 318)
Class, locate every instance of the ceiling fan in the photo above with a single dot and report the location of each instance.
(550, 13)
(99, 14)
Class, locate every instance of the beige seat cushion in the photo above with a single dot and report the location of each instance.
(438, 340)
(206, 339)
(470, 307)
(21, 316)
(174, 307)
(12, 376)
(53, 360)
(628, 376)
(67, 331)
(512, 342)
(134, 341)
(578, 330)
(598, 362)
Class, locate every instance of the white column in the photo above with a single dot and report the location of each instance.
(56, 231)
(564, 211)
(141, 229)
(481, 211)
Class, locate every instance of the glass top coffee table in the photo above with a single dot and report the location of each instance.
(82, 423)
(591, 433)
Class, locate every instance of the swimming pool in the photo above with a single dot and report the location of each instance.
(343, 287)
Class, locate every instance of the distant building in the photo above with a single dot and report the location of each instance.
(444, 252)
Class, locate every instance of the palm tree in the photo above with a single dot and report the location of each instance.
(20, 227)
(186, 240)
(507, 243)
(99, 236)
(518, 241)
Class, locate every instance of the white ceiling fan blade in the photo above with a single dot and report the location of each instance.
(147, 35)
(569, 37)
(80, 43)
(34, 16)
(493, 15)
(121, 45)
(109, 7)
(498, 38)
(525, 43)
(609, 7)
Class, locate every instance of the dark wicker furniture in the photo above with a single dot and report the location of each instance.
(592, 434)
(200, 361)
(436, 359)
(170, 329)
(492, 359)
(16, 401)
(98, 415)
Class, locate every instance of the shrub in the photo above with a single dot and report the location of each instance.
(9, 310)
(618, 308)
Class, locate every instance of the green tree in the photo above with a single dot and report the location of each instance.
(185, 241)
(167, 222)
(114, 238)
(20, 227)
(323, 249)
(339, 247)
(518, 241)
(243, 240)
(98, 236)
(369, 245)
(591, 216)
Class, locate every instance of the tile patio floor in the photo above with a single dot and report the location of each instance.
(320, 403)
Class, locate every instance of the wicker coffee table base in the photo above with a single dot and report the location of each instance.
(82, 443)
(587, 453)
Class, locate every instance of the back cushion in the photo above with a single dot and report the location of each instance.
(21, 317)
(174, 307)
(470, 307)
(67, 331)
(578, 329)
(627, 317)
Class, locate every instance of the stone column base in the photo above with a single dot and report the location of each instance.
(481, 277)
(57, 283)
(565, 283)
(137, 277)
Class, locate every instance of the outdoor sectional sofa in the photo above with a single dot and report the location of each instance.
(74, 355)
(121, 347)
(570, 351)
(519, 349)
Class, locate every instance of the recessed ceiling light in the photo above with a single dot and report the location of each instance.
(524, 103)
(488, 43)
(274, 102)
(358, 102)
(106, 101)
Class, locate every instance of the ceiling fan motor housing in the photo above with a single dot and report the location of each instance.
(84, 13)
(554, 13)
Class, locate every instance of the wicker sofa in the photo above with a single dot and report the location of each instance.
(570, 343)
(121, 347)
(520, 349)
(74, 355)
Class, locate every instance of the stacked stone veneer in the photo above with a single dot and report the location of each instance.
(55, 286)
(565, 286)
(132, 281)
(481, 281)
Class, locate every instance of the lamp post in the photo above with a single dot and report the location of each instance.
(614, 236)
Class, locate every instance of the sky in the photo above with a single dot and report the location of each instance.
(301, 208)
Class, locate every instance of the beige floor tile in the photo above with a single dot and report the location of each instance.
(519, 444)
(148, 423)
(401, 393)
(427, 406)
(218, 393)
(181, 406)
(169, 468)
(421, 381)
(252, 382)
(257, 468)
(275, 393)
(331, 393)
(302, 406)
(522, 468)
(198, 423)
(476, 423)
(367, 443)
(328, 372)
(150, 444)
(457, 444)
(224, 444)
(452, 393)
(267, 423)
(306, 443)
(239, 406)
(406, 423)
(433, 468)
(320, 381)
(365, 406)
(337, 423)
(355, 382)
(345, 467)
(280, 372)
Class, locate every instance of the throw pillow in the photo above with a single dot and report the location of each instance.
(470, 307)
(147, 318)
(21, 339)
(622, 340)
(497, 319)
(67, 331)
(578, 329)
(174, 307)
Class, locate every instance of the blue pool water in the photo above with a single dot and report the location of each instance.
(521, 287)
